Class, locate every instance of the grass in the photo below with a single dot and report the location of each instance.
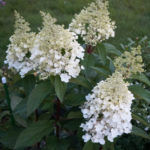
(132, 17)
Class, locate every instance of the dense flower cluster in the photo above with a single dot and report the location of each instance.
(21, 42)
(56, 51)
(130, 63)
(107, 110)
(93, 23)
(53, 51)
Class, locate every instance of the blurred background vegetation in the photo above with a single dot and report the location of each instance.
(132, 17)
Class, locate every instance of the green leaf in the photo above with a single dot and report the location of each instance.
(101, 71)
(60, 88)
(102, 53)
(34, 133)
(20, 120)
(91, 146)
(37, 95)
(74, 99)
(54, 144)
(21, 109)
(141, 77)
(140, 92)
(29, 83)
(73, 124)
(111, 65)
(80, 80)
(108, 145)
(139, 132)
(15, 100)
(111, 49)
(3, 114)
(9, 137)
(74, 114)
(140, 119)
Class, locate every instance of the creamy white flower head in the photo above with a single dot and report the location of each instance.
(56, 51)
(130, 63)
(107, 110)
(93, 23)
(21, 42)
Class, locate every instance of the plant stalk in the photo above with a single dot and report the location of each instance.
(9, 103)
(57, 117)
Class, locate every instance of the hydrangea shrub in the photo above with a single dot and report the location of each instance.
(76, 91)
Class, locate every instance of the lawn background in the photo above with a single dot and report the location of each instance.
(132, 17)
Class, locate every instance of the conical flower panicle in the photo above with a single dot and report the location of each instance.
(107, 110)
(56, 51)
(21, 42)
(93, 23)
(130, 63)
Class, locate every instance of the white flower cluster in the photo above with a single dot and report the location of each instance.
(18, 51)
(53, 51)
(56, 51)
(130, 63)
(93, 23)
(107, 110)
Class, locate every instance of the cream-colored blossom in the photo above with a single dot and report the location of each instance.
(21, 42)
(93, 23)
(107, 110)
(56, 51)
(130, 63)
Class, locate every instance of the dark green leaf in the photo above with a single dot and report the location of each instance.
(74, 114)
(3, 114)
(91, 146)
(111, 49)
(111, 65)
(81, 81)
(108, 145)
(60, 88)
(54, 144)
(140, 92)
(15, 100)
(37, 96)
(101, 71)
(20, 120)
(21, 109)
(74, 99)
(102, 53)
(141, 77)
(29, 83)
(34, 133)
(9, 137)
(140, 119)
(73, 124)
(139, 132)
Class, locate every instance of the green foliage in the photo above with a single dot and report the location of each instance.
(90, 146)
(47, 113)
(55, 144)
(140, 92)
(37, 95)
(139, 132)
(33, 133)
(39, 114)
(60, 88)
